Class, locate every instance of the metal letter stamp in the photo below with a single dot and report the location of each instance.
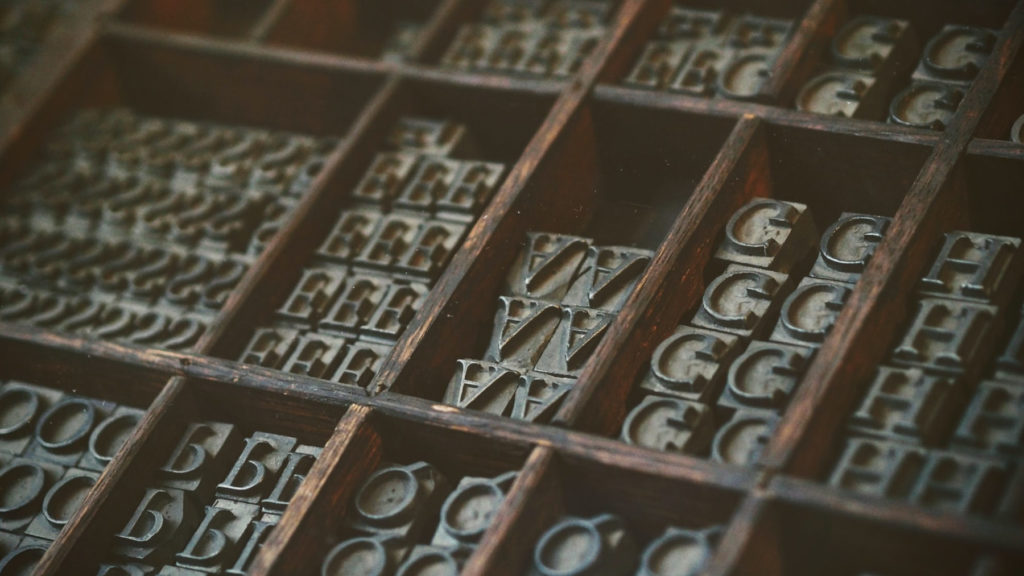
(810, 311)
(768, 233)
(670, 425)
(974, 267)
(765, 376)
(740, 300)
(579, 546)
(908, 404)
(691, 364)
(847, 245)
(947, 336)
(741, 441)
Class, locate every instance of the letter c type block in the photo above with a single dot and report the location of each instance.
(597, 546)
(399, 500)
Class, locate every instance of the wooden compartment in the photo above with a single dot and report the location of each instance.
(585, 155)
(393, 30)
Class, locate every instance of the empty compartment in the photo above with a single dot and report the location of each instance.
(230, 18)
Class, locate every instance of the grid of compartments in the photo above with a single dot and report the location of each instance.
(515, 287)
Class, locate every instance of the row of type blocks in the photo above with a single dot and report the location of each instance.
(710, 53)
(549, 38)
(212, 504)
(562, 293)
(719, 383)
(941, 423)
(869, 56)
(137, 229)
(53, 447)
(603, 545)
(409, 520)
(369, 276)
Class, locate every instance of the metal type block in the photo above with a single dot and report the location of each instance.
(925, 105)
(509, 11)
(62, 431)
(201, 458)
(768, 233)
(759, 33)
(691, 364)
(547, 266)
(1010, 364)
(214, 544)
(765, 375)
(743, 75)
(349, 235)
(679, 551)
(178, 571)
(960, 484)
(360, 365)
(596, 546)
(279, 163)
(574, 340)
(23, 404)
(741, 441)
(670, 425)
(401, 41)
(61, 502)
(430, 249)
(578, 13)
(878, 468)
(692, 24)
(431, 136)
(810, 312)
(316, 355)
(8, 542)
(469, 48)
(1017, 130)
(391, 241)
(292, 474)
(538, 396)
(841, 93)
(161, 525)
(471, 189)
(866, 42)
(432, 561)
(947, 336)
(974, 267)
(24, 558)
(399, 501)
(312, 296)
(386, 177)
(253, 475)
(909, 405)
(659, 63)
(271, 347)
(699, 74)
(468, 511)
(24, 484)
(573, 47)
(847, 246)
(203, 281)
(250, 546)
(955, 54)
(355, 305)
(376, 555)
(108, 436)
(607, 277)
(742, 300)
(394, 312)
(274, 216)
(993, 423)
(522, 330)
(125, 569)
(430, 177)
(485, 386)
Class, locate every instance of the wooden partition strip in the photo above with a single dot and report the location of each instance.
(878, 306)
(439, 29)
(796, 61)
(140, 455)
(497, 233)
(740, 542)
(353, 451)
(774, 115)
(672, 283)
(259, 31)
(532, 504)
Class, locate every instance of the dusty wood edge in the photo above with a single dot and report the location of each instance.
(818, 22)
(998, 535)
(928, 207)
(514, 519)
(680, 244)
(101, 494)
(990, 148)
(352, 450)
(266, 23)
(738, 538)
(774, 115)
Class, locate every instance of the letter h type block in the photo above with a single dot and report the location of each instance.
(908, 404)
(947, 336)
